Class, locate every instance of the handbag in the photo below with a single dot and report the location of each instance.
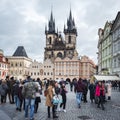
(96, 99)
(38, 99)
(55, 100)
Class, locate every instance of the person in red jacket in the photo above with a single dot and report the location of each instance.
(100, 92)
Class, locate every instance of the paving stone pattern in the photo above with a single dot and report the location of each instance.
(88, 111)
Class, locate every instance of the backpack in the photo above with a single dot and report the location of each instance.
(45, 92)
(29, 90)
(3, 90)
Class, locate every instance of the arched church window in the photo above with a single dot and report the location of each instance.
(50, 40)
(69, 39)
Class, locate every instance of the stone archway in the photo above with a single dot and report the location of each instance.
(68, 80)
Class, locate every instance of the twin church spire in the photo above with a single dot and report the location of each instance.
(70, 25)
(51, 24)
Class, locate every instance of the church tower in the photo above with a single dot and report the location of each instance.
(70, 36)
(51, 35)
(56, 45)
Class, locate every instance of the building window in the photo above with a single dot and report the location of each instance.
(48, 73)
(38, 73)
(11, 64)
(114, 62)
(16, 65)
(44, 73)
(69, 39)
(34, 73)
(50, 40)
(20, 65)
(119, 46)
(12, 72)
(118, 62)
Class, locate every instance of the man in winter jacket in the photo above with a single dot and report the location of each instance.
(79, 87)
(29, 92)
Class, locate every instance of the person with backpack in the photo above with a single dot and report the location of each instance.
(29, 92)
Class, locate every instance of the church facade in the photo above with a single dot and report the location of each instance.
(56, 45)
(61, 53)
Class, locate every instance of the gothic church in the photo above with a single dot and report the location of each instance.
(56, 46)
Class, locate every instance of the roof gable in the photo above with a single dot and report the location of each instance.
(116, 22)
(20, 51)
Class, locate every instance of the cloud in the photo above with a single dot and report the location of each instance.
(22, 22)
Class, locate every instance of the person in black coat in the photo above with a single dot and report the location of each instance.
(92, 91)
(85, 90)
(63, 92)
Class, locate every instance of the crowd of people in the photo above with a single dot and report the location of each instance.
(26, 94)
(22, 93)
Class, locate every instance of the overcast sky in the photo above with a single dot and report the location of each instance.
(22, 23)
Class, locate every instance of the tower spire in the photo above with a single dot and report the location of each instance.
(70, 24)
(51, 25)
(51, 16)
(70, 15)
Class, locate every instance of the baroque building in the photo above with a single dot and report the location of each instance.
(87, 67)
(4, 66)
(100, 34)
(56, 46)
(116, 45)
(48, 69)
(109, 48)
(67, 68)
(105, 49)
(36, 70)
(19, 63)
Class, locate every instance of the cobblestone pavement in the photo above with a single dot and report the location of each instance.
(88, 111)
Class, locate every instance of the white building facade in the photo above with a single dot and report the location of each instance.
(36, 70)
(19, 64)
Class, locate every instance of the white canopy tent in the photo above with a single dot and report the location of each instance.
(106, 77)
